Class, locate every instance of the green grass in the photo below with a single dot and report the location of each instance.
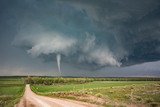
(11, 81)
(11, 90)
(123, 92)
(137, 92)
(91, 85)
(7, 90)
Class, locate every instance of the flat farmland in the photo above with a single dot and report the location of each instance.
(106, 93)
(11, 90)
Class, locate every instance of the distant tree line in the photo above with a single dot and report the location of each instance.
(60, 80)
(51, 81)
(127, 79)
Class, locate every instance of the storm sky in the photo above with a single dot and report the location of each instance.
(86, 37)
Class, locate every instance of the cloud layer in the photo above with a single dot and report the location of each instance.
(74, 50)
(90, 34)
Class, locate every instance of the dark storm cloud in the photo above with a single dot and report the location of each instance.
(90, 34)
(106, 33)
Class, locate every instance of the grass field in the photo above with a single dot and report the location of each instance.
(76, 87)
(11, 90)
(107, 93)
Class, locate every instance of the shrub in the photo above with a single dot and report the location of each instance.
(99, 95)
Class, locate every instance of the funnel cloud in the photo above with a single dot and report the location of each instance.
(59, 62)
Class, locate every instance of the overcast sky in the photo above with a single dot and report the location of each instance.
(80, 37)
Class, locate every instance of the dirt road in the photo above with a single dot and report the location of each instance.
(30, 99)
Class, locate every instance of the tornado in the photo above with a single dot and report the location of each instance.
(59, 62)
